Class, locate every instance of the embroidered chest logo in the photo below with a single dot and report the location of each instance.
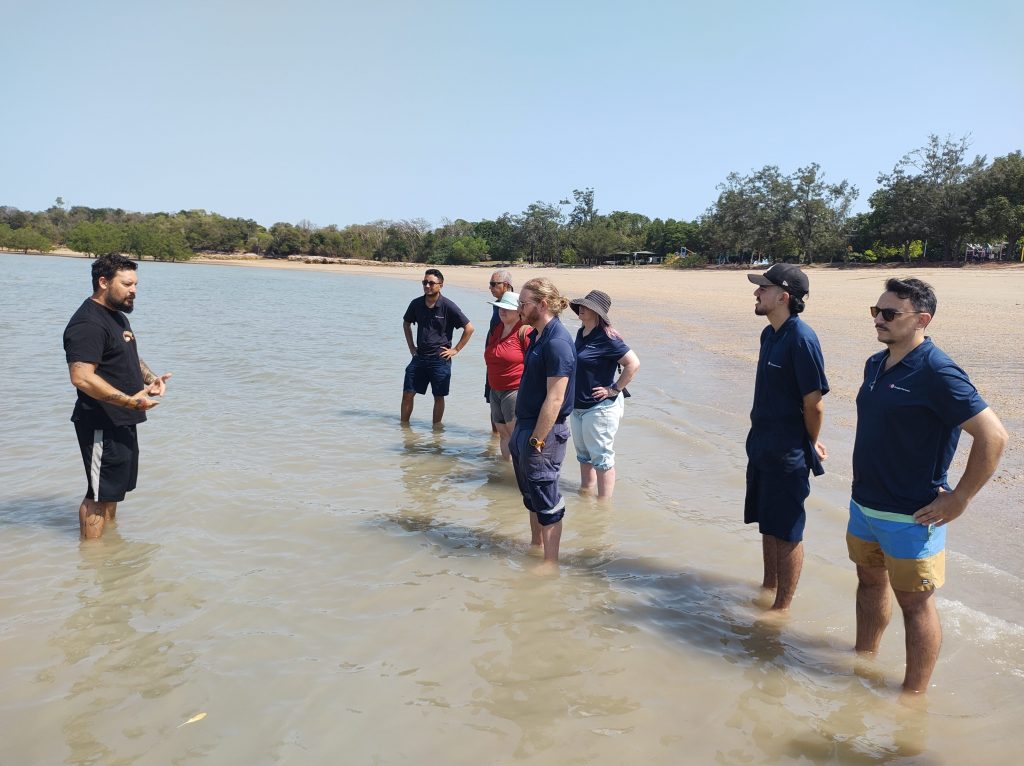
(128, 336)
(899, 388)
(772, 364)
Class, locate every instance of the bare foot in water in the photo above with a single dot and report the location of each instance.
(773, 617)
(546, 569)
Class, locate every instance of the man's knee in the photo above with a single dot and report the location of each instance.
(913, 602)
(872, 577)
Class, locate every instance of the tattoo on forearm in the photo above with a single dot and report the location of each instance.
(123, 400)
(148, 376)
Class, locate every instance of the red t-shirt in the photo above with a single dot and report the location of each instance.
(504, 358)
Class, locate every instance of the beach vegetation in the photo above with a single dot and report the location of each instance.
(26, 239)
(96, 238)
(937, 203)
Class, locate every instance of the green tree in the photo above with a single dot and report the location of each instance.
(28, 239)
(820, 212)
(540, 230)
(1000, 216)
(931, 193)
(156, 239)
(753, 215)
(96, 238)
(504, 237)
(287, 239)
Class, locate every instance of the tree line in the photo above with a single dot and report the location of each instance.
(934, 201)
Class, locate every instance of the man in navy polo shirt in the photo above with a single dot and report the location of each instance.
(783, 446)
(544, 402)
(910, 410)
(435, 318)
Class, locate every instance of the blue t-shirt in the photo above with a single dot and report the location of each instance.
(789, 367)
(597, 359)
(908, 427)
(434, 326)
(551, 355)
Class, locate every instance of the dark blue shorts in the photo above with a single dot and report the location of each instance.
(775, 500)
(537, 472)
(425, 369)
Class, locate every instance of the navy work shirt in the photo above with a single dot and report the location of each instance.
(551, 355)
(597, 359)
(789, 367)
(908, 427)
(434, 326)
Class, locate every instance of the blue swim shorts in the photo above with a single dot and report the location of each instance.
(913, 554)
(425, 369)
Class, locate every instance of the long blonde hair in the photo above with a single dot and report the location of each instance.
(543, 288)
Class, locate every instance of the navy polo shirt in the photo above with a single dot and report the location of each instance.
(597, 358)
(908, 427)
(789, 367)
(435, 325)
(551, 355)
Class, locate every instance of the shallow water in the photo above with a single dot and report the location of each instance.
(328, 586)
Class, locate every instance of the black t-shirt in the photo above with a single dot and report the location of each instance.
(103, 337)
(435, 325)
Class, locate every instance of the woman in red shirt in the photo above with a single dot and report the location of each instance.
(503, 354)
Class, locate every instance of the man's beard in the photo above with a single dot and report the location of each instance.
(125, 306)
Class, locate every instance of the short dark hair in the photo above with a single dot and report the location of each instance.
(434, 273)
(919, 293)
(108, 265)
(796, 305)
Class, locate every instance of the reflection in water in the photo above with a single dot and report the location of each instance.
(119, 656)
(833, 718)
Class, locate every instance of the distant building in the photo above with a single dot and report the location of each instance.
(637, 258)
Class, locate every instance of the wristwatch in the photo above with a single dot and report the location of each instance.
(536, 443)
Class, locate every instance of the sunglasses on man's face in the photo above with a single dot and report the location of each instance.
(495, 284)
(428, 282)
(888, 314)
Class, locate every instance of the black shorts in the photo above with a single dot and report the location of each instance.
(111, 459)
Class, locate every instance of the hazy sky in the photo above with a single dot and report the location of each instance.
(342, 112)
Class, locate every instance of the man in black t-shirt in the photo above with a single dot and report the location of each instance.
(435, 318)
(104, 363)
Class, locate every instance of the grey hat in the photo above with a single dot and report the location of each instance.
(598, 302)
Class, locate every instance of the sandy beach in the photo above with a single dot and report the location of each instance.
(295, 558)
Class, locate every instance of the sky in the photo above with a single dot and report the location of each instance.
(340, 112)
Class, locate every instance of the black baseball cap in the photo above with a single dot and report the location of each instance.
(788, 276)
